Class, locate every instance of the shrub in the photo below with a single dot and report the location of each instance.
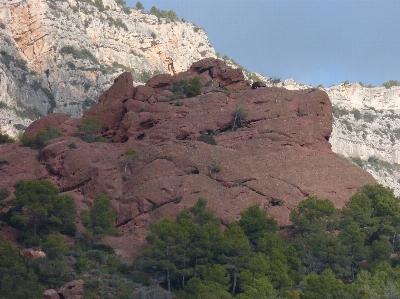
(391, 83)
(207, 138)
(239, 115)
(99, 4)
(4, 160)
(216, 166)
(339, 112)
(170, 14)
(130, 156)
(193, 87)
(275, 80)
(4, 193)
(89, 128)
(356, 113)
(139, 6)
(42, 138)
(79, 54)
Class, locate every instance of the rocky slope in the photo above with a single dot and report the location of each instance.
(59, 56)
(272, 150)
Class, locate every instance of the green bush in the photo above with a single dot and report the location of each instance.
(170, 14)
(339, 112)
(4, 193)
(239, 118)
(4, 138)
(4, 160)
(89, 129)
(391, 83)
(42, 138)
(139, 6)
(79, 54)
(193, 87)
(207, 138)
(356, 113)
(216, 166)
(99, 4)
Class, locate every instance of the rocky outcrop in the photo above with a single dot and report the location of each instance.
(59, 56)
(272, 150)
(50, 294)
(31, 254)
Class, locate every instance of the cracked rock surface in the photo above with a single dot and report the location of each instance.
(279, 155)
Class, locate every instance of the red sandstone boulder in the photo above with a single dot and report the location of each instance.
(110, 108)
(161, 81)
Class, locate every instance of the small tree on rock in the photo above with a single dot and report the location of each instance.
(139, 6)
(130, 156)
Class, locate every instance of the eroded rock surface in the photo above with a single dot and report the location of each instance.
(276, 156)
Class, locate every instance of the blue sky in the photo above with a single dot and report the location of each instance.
(313, 41)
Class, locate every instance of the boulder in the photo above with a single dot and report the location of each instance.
(31, 254)
(72, 290)
(160, 82)
(50, 294)
(110, 108)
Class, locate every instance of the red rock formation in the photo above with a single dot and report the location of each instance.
(278, 157)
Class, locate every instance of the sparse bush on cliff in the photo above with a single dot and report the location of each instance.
(4, 193)
(190, 88)
(8, 59)
(79, 54)
(239, 115)
(116, 23)
(339, 112)
(89, 129)
(139, 6)
(170, 14)
(129, 157)
(391, 83)
(120, 2)
(274, 80)
(42, 138)
(99, 4)
(193, 87)
(357, 114)
(207, 138)
(4, 138)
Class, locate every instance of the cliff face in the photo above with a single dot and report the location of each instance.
(272, 151)
(366, 129)
(73, 50)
